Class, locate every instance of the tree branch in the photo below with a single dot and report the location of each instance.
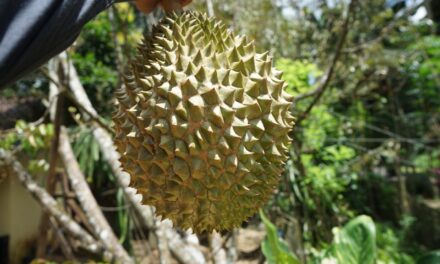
(55, 109)
(386, 30)
(99, 224)
(86, 108)
(217, 251)
(65, 246)
(52, 207)
(209, 8)
(325, 80)
(186, 253)
(162, 243)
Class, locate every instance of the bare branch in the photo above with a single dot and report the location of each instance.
(65, 246)
(162, 243)
(218, 253)
(325, 80)
(52, 207)
(184, 252)
(100, 226)
(86, 108)
(94, 117)
(210, 8)
(55, 112)
(231, 246)
(386, 30)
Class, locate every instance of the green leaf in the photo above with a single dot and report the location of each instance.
(274, 249)
(95, 150)
(355, 243)
(122, 216)
(430, 258)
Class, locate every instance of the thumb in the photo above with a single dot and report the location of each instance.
(146, 6)
(171, 5)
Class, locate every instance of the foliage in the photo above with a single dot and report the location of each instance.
(95, 60)
(87, 152)
(430, 258)
(355, 243)
(388, 246)
(347, 147)
(325, 175)
(105, 45)
(373, 195)
(379, 118)
(299, 75)
(101, 179)
(274, 248)
(31, 139)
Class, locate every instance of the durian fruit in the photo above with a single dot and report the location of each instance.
(202, 124)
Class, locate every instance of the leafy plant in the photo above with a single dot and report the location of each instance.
(355, 243)
(28, 136)
(430, 258)
(274, 248)
(388, 246)
(32, 139)
(299, 75)
(87, 152)
(101, 179)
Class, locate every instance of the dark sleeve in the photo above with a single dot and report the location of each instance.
(33, 31)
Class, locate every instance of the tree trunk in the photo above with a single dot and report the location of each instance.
(98, 222)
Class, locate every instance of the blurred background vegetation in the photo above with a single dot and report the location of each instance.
(363, 179)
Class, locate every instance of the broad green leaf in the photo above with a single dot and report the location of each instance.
(355, 243)
(274, 249)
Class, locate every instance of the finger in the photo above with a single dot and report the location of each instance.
(185, 2)
(170, 5)
(146, 6)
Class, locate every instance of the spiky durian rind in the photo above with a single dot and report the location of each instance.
(202, 124)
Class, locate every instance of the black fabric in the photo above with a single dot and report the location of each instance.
(33, 31)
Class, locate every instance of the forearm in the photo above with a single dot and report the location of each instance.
(32, 31)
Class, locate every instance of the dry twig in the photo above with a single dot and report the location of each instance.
(325, 80)
(101, 228)
(53, 208)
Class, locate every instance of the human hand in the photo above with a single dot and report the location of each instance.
(147, 6)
